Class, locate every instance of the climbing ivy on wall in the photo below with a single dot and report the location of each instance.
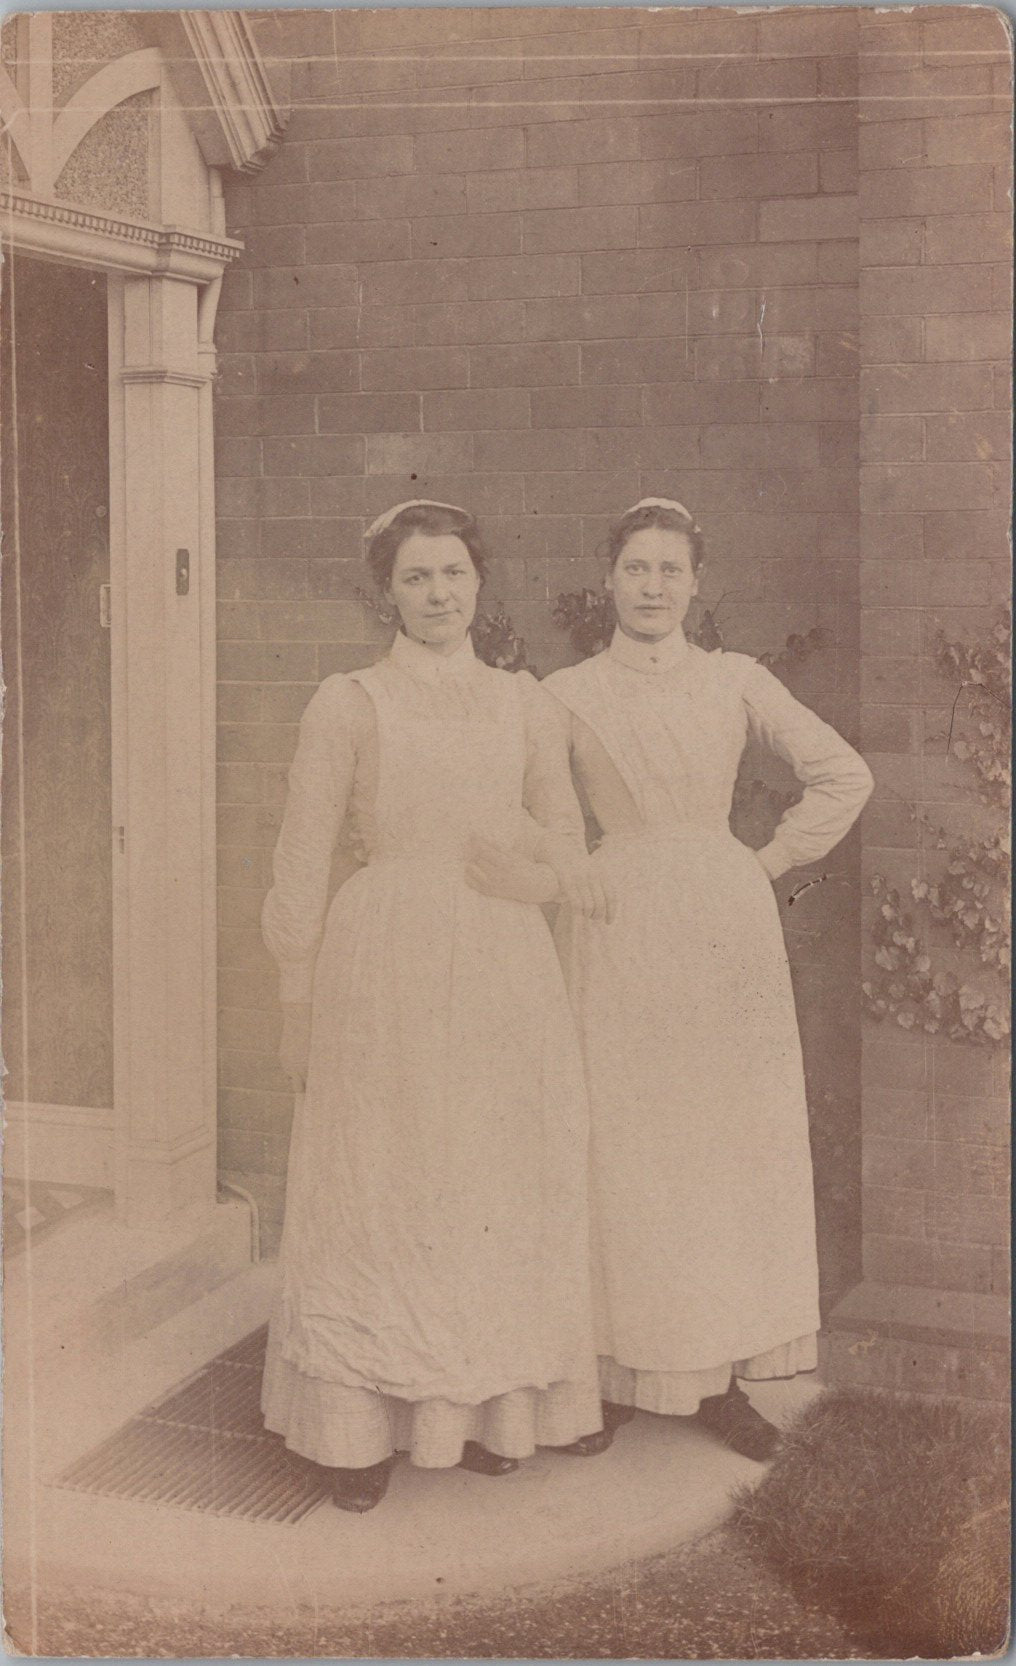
(942, 946)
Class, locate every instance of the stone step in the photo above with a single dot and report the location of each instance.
(73, 1392)
(914, 1340)
(92, 1289)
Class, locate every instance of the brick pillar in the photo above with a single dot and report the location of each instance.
(935, 277)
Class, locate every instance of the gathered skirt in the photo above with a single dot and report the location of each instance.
(680, 1393)
(436, 1243)
(704, 1252)
(350, 1428)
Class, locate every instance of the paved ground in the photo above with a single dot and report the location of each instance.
(439, 1537)
(663, 1483)
(707, 1601)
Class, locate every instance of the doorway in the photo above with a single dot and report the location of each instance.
(57, 746)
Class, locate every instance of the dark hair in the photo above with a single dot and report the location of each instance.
(434, 522)
(669, 520)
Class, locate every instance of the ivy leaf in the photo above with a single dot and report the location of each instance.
(708, 633)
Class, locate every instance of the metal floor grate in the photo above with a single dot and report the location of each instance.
(203, 1446)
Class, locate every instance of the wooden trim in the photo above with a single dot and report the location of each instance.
(39, 99)
(68, 1145)
(87, 237)
(16, 120)
(159, 373)
(120, 738)
(219, 75)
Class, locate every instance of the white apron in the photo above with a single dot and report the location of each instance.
(436, 1239)
(703, 1211)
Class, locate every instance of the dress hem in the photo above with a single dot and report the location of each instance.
(352, 1428)
(680, 1393)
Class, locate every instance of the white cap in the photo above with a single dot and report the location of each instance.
(660, 503)
(384, 521)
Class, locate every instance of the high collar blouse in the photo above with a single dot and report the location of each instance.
(446, 671)
(656, 733)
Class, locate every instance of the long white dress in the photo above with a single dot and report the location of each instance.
(436, 1242)
(702, 1193)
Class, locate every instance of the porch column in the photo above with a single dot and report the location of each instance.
(162, 542)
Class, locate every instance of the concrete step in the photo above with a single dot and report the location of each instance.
(64, 1396)
(913, 1340)
(97, 1285)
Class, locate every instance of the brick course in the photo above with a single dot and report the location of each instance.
(544, 268)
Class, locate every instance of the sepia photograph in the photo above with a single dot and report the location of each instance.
(506, 646)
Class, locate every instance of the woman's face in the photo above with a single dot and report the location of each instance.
(652, 583)
(434, 585)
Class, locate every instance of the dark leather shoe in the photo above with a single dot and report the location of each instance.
(359, 1490)
(587, 1446)
(734, 1420)
(614, 1415)
(481, 1462)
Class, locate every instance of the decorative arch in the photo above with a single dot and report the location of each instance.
(14, 120)
(137, 72)
(210, 57)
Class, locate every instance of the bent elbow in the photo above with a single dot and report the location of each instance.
(865, 782)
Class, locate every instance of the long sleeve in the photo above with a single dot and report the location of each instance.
(837, 781)
(548, 793)
(320, 782)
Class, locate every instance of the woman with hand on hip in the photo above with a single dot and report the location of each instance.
(705, 1265)
(435, 1255)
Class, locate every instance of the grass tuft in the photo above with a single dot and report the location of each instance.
(894, 1514)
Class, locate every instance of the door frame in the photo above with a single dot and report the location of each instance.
(212, 108)
(156, 1145)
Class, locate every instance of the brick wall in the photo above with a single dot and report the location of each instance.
(541, 263)
(935, 287)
